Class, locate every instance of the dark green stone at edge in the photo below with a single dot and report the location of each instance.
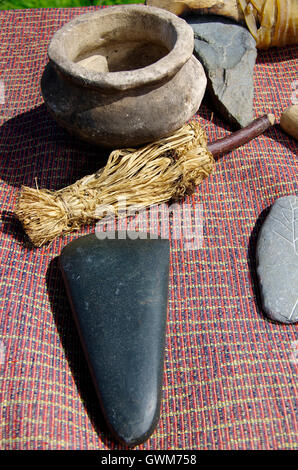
(118, 291)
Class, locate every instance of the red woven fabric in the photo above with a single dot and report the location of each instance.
(229, 377)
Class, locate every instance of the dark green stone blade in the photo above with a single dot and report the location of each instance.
(118, 291)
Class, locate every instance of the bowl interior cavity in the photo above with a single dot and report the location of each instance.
(119, 42)
(121, 56)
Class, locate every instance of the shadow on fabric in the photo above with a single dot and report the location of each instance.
(251, 261)
(35, 150)
(276, 54)
(12, 227)
(74, 353)
(282, 138)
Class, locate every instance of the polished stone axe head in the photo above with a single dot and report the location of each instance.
(118, 290)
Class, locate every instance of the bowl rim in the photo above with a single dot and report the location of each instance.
(159, 71)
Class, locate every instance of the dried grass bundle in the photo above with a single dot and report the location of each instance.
(163, 170)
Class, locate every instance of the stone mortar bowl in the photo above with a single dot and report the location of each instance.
(123, 76)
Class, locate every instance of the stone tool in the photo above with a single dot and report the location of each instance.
(118, 290)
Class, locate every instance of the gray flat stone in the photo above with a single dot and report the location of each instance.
(228, 53)
(277, 261)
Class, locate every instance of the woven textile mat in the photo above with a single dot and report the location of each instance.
(230, 374)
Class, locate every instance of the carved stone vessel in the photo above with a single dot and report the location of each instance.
(123, 76)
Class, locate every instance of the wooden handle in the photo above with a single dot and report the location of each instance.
(241, 137)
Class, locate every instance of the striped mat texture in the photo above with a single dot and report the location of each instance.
(230, 374)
